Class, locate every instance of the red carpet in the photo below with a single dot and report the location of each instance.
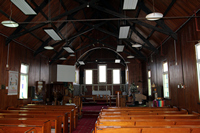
(94, 108)
(87, 122)
(85, 125)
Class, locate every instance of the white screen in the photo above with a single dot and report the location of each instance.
(65, 73)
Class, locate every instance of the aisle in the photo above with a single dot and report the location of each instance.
(87, 122)
(85, 125)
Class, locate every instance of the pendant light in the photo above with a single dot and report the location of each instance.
(10, 23)
(154, 15)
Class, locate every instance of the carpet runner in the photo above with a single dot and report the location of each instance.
(87, 122)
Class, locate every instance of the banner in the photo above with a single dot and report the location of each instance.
(13, 83)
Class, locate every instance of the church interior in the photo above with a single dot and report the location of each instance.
(99, 66)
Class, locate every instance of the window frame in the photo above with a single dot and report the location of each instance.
(164, 73)
(149, 85)
(23, 74)
(198, 68)
(85, 76)
(119, 76)
(105, 75)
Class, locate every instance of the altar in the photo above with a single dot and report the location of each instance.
(101, 93)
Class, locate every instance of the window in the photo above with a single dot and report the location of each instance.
(165, 80)
(102, 73)
(198, 65)
(23, 92)
(88, 76)
(116, 76)
(149, 83)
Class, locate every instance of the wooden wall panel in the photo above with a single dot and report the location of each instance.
(38, 69)
(182, 73)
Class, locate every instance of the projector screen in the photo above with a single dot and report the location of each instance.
(65, 73)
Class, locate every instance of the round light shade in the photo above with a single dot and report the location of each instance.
(136, 45)
(62, 58)
(48, 47)
(9, 23)
(72, 55)
(130, 56)
(154, 16)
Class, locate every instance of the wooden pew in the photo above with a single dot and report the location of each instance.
(14, 129)
(56, 121)
(52, 107)
(115, 109)
(75, 114)
(176, 116)
(41, 126)
(143, 112)
(149, 130)
(28, 114)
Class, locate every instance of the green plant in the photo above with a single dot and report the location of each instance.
(133, 88)
(71, 88)
(3, 87)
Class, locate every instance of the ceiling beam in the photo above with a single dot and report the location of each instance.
(41, 48)
(28, 19)
(159, 22)
(43, 24)
(73, 38)
(164, 14)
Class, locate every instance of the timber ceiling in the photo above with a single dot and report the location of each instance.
(95, 27)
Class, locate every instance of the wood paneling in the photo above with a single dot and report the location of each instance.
(182, 73)
(38, 69)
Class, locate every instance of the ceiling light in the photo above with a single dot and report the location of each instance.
(68, 49)
(81, 62)
(123, 32)
(130, 4)
(48, 47)
(127, 62)
(62, 58)
(52, 34)
(9, 23)
(130, 56)
(154, 16)
(136, 45)
(24, 7)
(120, 48)
(117, 60)
(71, 55)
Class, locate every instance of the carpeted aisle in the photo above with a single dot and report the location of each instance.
(85, 125)
(87, 122)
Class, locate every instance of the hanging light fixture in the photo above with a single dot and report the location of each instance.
(10, 23)
(136, 45)
(62, 58)
(130, 56)
(48, 47)
(154, 15)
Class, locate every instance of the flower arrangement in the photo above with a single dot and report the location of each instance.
(70, 88)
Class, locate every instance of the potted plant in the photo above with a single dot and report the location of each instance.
(133, 89)
(71, 89)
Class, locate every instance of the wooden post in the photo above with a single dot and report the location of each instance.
(118, 98)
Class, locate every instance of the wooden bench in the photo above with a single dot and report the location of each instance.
(51, 107)
(56, 121)
(75, 114)
(40, 125)
(176, 116)
(9, 113)
(14, 129)
(149, 130)
(131, 112)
